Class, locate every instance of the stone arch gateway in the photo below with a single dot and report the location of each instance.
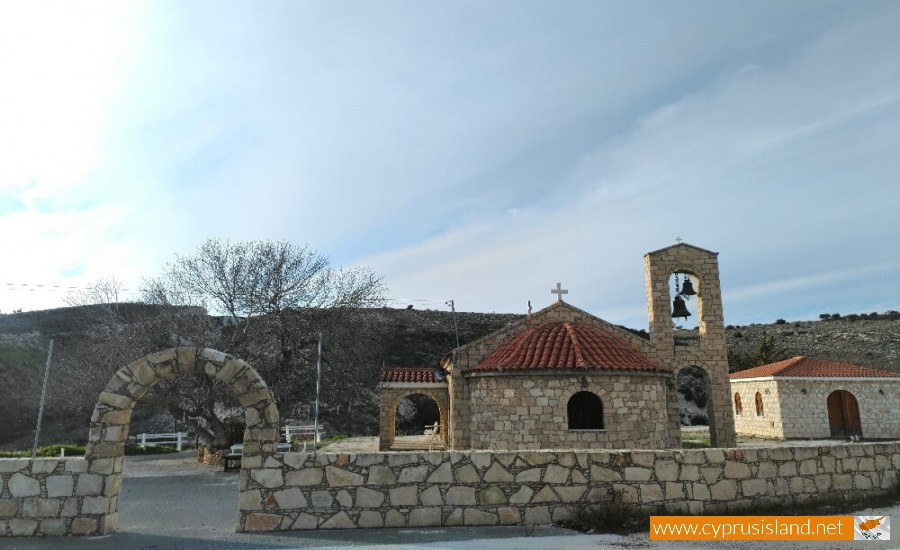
(112, 414)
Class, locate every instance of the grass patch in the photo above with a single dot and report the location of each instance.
(13, 355)
(297, 443)
(695, 440)
(333, 439)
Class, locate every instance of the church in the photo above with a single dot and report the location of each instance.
(562, 378)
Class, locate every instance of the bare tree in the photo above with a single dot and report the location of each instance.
(275, 298)
(103, 293)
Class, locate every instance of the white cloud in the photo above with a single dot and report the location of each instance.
(468, 151)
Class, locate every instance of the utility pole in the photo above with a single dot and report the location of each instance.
(37, 432)
(452, 305)
(318, 384)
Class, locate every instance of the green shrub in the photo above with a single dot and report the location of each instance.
(149, 449)
(780, 322)
(48, 451)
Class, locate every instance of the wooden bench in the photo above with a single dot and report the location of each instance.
(232, 460)
(176, 438)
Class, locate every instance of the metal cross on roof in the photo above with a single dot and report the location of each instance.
(559, 292)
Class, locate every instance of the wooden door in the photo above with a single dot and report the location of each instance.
(843, 414)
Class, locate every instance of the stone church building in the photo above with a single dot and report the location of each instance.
(562, 378)
(807, 398)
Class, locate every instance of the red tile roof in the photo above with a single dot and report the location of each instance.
(567, 346)
(409, 375)
(810, 367)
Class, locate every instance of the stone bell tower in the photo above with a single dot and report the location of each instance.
(709, 354)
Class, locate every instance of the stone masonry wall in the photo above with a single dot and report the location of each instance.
(805, 415)
(768, 424)
(530, 412)
(57, 496)
(301, 491)
(711, 354)
(417, 489)
(472, 353)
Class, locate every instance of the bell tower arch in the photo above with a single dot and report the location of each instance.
(710, 354)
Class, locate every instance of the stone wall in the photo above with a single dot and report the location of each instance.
(710, 354)
(417, 489)
(58, 496)
(796, 414)
(330, 491)
(530, 412)
(769, 423)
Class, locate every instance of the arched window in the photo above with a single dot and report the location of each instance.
(585, 411)
(759, 404)
(738, 408)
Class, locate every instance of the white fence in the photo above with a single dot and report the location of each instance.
(176, 438)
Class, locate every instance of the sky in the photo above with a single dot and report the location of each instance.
(471, 151)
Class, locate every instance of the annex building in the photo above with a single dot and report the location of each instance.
(807, 398)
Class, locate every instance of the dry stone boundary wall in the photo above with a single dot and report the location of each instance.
(73, 496)
(417, 489)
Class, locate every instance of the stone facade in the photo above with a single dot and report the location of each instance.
(529, 412)
(711, 354)
(58, 496)
(748, 421)
(390, 397)
(419, 489)
(296, 491)
(797, 407)
(486, 409)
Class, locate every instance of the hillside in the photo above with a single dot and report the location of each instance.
(871, 343)
(396, 337)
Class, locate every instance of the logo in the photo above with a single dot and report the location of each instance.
(871, 527)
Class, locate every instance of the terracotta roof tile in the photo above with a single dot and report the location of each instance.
(567, 346)
(409, 375)
(811, 367)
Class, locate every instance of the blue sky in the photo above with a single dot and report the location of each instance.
(475, 151)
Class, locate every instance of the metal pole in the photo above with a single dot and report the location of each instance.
(318, 384)
(37, 432)
(455, 326)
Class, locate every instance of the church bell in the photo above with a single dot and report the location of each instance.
(679, 308)
(687, 289)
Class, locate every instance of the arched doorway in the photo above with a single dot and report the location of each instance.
(843, 414)
(391, 397)
(414, 412)
(693, 396)
(112, 414)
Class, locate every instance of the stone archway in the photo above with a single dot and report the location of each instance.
(390, 399)
(700, 395)
(112, 415)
